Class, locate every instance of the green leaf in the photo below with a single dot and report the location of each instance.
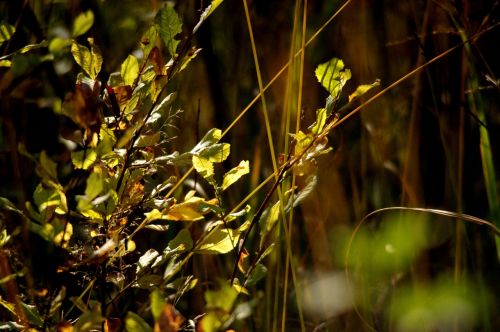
(362, 89)
(148, 40)
(169, 25)
(88, 321)
(269, 220)
(321, 117)
(222, 299)
(219, 241)
(95, 185)
(210, 138)
(135, 323)
(216, 153)
(204, 167)
(333, 76)
(129, 70)
(146, 260)
(57, 44)
(157, 303)
(45, 198)
(82, 23)
(235, 174)
(89, 60)
(181, 242)
(83, 159)
(6, 32)
(258, 272)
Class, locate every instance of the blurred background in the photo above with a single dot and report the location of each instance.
(430, 142)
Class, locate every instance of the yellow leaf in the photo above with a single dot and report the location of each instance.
(234, 175)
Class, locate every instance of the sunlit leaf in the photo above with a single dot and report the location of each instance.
(185, 211)
(89, 60)
(216, 153)
(82, 23)
(135, 323)
(235, 174)
(362, 89)
(333, 76)
(219, 241)
(129, 70)
(5, 63)
(83, 159)
(269, 220)
(146, 260)
(311, 182)
(64, 235)
(6, 32)
(46, 197)
(204, 167)
(207, 12)
(148, 40)
(210, 138)
(170, 26)
(95, 185)
(317, 126)
(58, 44)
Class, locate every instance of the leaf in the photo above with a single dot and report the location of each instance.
(135, 323)
(146, 260)
(181, 242)
(157, 302)
(258, 272)
(222, 299)
(210, 138)
(129, 70)
(6, 32)
(235, 174)
(95, 185)
(170, 25)
(204, 167)
(216, 153)
(317, 126)
(49, 167)
(148, 40)
(82, 23)
(45, 198)
(186, 211)
(5, 63)
(269, 220)
(220, 241)
(306, 191)
(362, 89)
(89, 320)
(83, 159)
(90, 61)
(57, 44)
(170, 320)
(333, 76)
(206, 13)
(66, 232)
